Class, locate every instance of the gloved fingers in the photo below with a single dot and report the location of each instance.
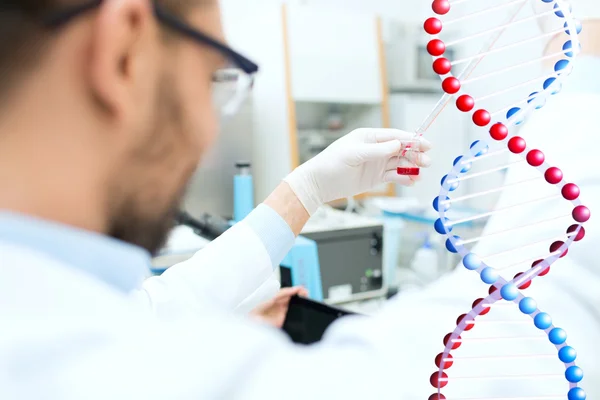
(378, 151)
(418, 143)
(411, 158)
(418, 158)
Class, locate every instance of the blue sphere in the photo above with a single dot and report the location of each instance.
(489, 275)
(578, 27)
(574, 374)
(514, 111)
(548, 82)
(509, 292)
(479, 148)
(557, 336)
(561, 65)
(567, 354)
(451, 187)
(450, 247)
(465, 167)
(436, 204)
(532, 97)
(576, 393)
(558, 11)
(568, 46)
(527, 305)
(542, 321)
(539, 101)
(471, 262)
(442, 227)
(555, 87)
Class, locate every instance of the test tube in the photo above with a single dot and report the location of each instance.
(405, 166)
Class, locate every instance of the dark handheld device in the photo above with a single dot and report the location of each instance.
(307, 320)
(208, 226)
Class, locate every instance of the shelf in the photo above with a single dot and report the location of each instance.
(420, 88)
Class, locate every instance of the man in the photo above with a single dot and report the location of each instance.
(105, 110)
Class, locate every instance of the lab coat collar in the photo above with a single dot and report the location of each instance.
(119, 264)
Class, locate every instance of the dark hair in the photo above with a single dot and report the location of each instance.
(24, 37)
(21, 33)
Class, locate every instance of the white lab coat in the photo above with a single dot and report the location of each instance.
(65, 335)
(240, 281)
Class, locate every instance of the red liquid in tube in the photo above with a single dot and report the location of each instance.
(414, 171)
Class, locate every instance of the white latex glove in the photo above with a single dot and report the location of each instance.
(354, 164)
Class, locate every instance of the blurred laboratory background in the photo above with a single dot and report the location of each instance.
(326, 68)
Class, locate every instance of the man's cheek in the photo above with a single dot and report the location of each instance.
(206, 134)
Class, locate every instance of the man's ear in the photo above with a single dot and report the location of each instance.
(123, 53)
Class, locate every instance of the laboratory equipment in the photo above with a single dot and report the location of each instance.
(207, 226)
(301, 267)
(350, 255)
(425, 262)
(543, 205)
(211, 189)
(189, 236)
(405, 167)
(243, 191)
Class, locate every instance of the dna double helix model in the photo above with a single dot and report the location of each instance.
(545, 208)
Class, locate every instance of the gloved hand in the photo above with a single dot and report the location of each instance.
(354, 164)
(273, 312)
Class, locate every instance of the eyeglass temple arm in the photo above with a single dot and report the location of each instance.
(59, 18)
(242, 62)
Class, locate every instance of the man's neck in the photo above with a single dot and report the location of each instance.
(42, 175)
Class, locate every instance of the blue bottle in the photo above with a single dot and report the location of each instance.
(243, 191)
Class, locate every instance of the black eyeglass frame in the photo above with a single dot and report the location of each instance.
(62, 17)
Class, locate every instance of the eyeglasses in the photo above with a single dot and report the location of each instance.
(231, 85)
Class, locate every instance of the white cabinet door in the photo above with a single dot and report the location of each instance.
(334, 55)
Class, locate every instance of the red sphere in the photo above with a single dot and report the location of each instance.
(499, 131)
(470, 323)
(493, 289)
(436, 47)
(553, 175)
(447, 363)
(433, 26)
(570, 191)
(556, 246)
(436, 396)
(535, 158)
(465, 103)
(451, 85)
(524, 285)
(544, 272)
(580, 234)
(442, 66)
(581, 214)
(485, 309)
(481, 118)
(441, 7)
(517, 145)
(438, 381)
(456, 344)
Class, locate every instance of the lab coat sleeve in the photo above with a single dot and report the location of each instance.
(236, 271)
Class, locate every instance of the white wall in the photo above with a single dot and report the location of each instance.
(255, 28)
(402, 9)
(407, 10)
